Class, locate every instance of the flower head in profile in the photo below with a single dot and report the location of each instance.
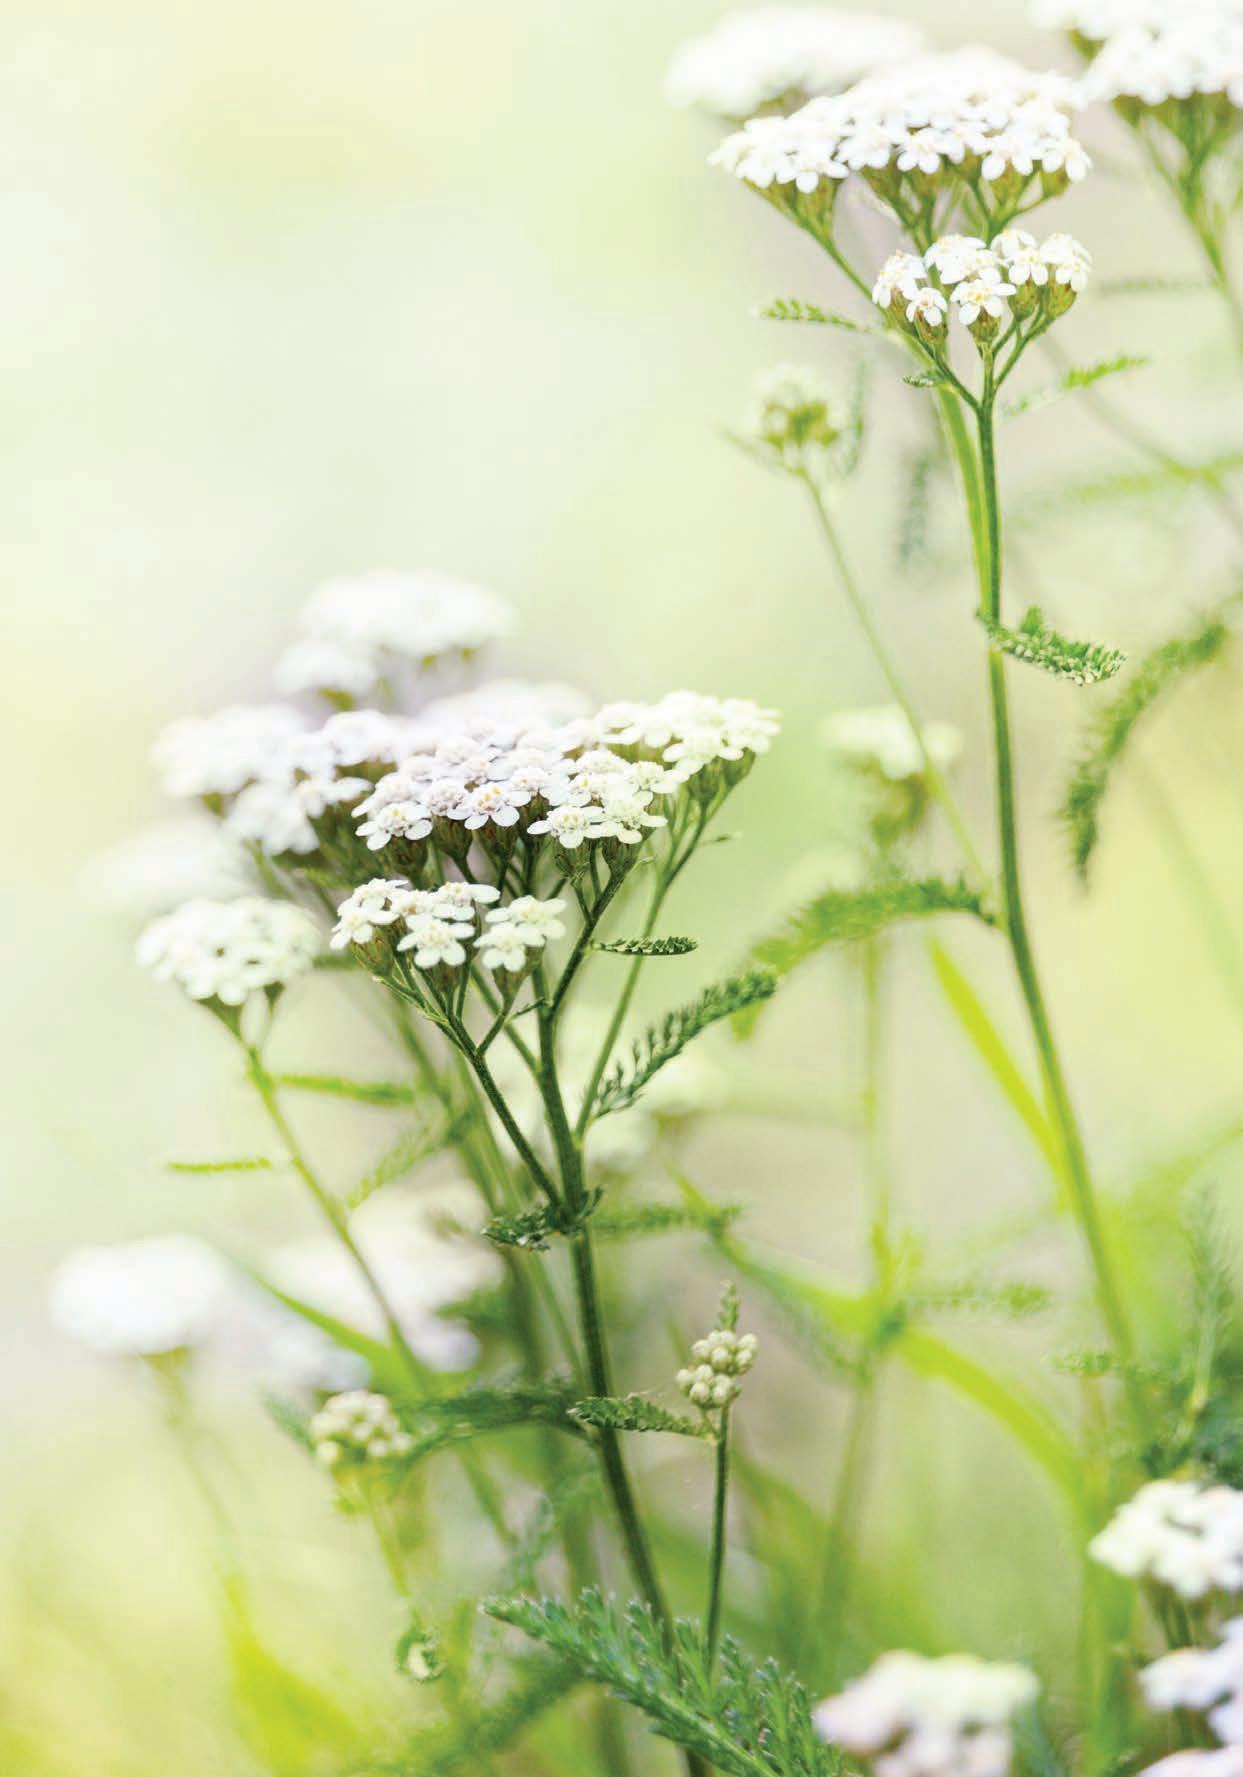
(228, 950)
(798, 420)
(775, 58)
(216, 756)
(916, 1717)
(358, 1429)
(881, 740)
(1204, 1679)
(146, 1298)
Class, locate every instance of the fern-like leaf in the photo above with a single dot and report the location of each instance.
(251, 1163)
(842, 916)
(413, 1147)
(378, 1092)
(649, 946)
(634, 1412)
(1114, 726)
(632, 1221)
(531, 1229)
(1083, 663)
(659, 1045)
(744, 1719)
(440, 1423)
(1080, 377)
(791, 308)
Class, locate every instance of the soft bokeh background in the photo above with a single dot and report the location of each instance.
(297, 289)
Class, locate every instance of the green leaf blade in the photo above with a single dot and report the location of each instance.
(1034, 642)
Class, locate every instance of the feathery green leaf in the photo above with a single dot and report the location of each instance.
(382, 1092)
(661, 1043)
(649, 946)
(1073, 380)
(412, 1148)
(631, 1221)
(252, 1163)
(1115, 724)
(791, 308)
(1083, 663)
(744, 1719)
(634, 1412)
(532, 1228)
(844, 916)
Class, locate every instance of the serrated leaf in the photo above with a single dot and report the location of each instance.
(487, 1408)
(1108, 737)
(791, 308)
(1083, 663)
(661, 1043)
(531, 1229)
(649, 946)
(634, 1412)
(745, 1720)
(412, 1149)
(632, 1221)
(844, 916)
(1072, 381)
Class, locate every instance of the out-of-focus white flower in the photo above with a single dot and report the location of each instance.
(1069, 261)
(781, 56)
(219, 755)
(1207, 1679)
(324, 664)
(358, 1429)
(273, 817)
(1196, 53)
(141, 1298)
(916, 1717)
(227, 950)
(1095, 20)
(796, 417)
(534, 920)
(167, 863)
(882, 739)
(423, 1265)
(1220, 1761)
(1179, 1533)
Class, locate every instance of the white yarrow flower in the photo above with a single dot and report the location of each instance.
(141, 1298)
(229, 950)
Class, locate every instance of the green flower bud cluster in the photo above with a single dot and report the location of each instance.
(357, 1428)
(713, 1380)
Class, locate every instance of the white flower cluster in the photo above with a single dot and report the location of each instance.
(796, 418)
(357, 1429)
(1179, 1533)
(777, 57)
(1198, 52)
(1016, 274)
(227, 950)
(169, 862)
(356, 630)
(915, 1717)
(720, 1360)
(140, 1298)
(440, 922)
(590, 779)
(219, 755)
(1203, 1678)
(970, 115)
(882, 740)
(1220, 1761)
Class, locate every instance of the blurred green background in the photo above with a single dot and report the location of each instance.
(291, 290)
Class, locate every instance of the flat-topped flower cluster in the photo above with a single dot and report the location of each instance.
(1179, 1533)
(1092, 21)
(1198, 53)
(967, 122)
(778, 57)
(980, 282)
(909, 1716)
(228, 950)
(358, 1429)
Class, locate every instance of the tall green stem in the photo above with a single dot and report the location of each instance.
(1061, 1108)
(716, 1559)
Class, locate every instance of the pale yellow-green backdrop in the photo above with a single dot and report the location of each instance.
(296, 289)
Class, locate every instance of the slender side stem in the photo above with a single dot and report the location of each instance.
(836, 1567)
(1215, 924)
(1061, 1108)
(716, 1561)
(937, 784)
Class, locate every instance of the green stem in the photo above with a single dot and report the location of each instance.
(937, 784)
(1065, 1122)
(716, 1561)
(836, 1565)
